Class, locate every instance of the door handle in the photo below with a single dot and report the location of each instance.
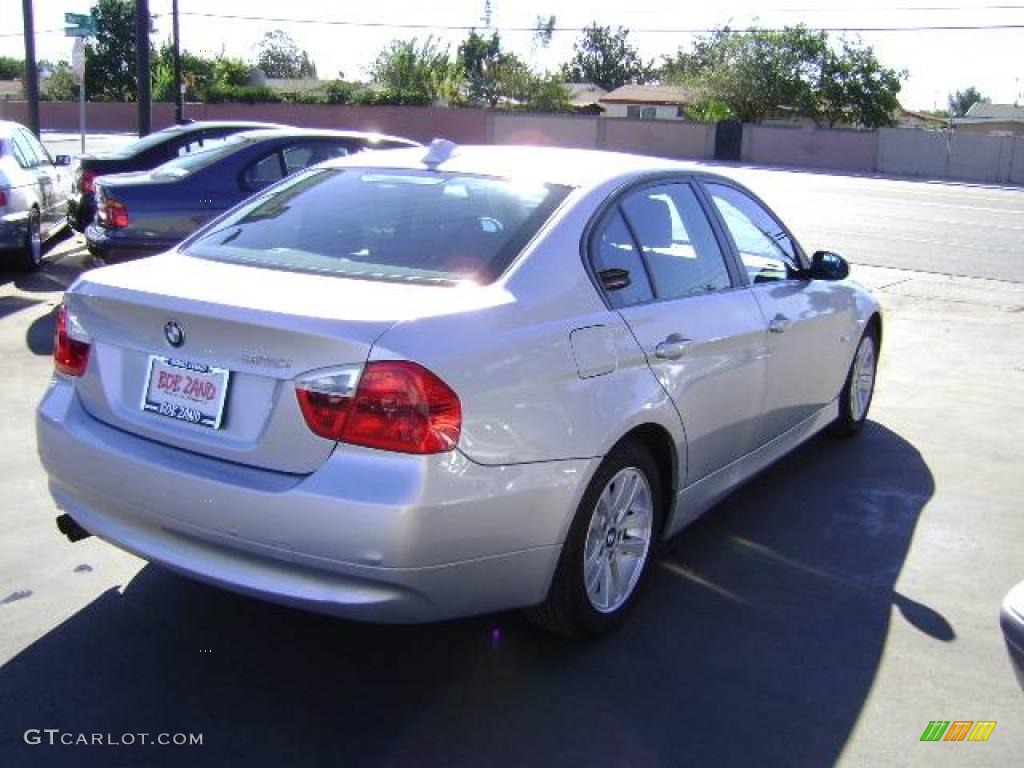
(779, 324)
(673, 347)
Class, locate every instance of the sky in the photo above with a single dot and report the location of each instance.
(938, 61)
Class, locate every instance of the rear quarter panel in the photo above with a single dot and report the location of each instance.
(512, 362)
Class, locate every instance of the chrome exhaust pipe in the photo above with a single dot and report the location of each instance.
(67, 525)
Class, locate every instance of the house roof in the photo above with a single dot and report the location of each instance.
(650, 94)
(980, 111)
(584, 94)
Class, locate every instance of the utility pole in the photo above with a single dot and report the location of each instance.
(142, 66)
(179, 87)
(31, 81)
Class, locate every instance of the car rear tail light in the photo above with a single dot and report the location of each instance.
(3, 198)
(115, 215)
(71, 344)
(392, 405)
(87, 181)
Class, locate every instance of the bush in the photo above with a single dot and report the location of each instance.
(246, 94)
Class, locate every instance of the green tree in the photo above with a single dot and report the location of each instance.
(110, 55)
(606, 58)
(758, 72)
(280, 56)
(410, 72)
(197, 73)
(11, 68)
(753, 74)
(961, 101)
(482, 61)
(855, 89)
(60, 85)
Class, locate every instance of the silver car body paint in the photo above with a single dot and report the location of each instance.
(549, 379)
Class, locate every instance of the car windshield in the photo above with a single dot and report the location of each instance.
(385, 225)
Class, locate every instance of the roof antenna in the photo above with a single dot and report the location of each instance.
(440, 150)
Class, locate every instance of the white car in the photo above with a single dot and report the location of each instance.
(34, 191)
(403, 387)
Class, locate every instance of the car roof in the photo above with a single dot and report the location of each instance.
(287, 132)
(553, 165)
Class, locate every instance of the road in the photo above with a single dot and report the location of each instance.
(824, 613)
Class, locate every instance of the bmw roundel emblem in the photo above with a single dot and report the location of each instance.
(174, 334)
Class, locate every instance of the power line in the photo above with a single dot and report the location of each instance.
(661, 30)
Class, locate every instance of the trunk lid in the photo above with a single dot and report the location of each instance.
(265, 327)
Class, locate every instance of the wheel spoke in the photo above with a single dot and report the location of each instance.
(633, 546)
(605, 593)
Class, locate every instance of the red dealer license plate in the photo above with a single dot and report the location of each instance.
(186, 391)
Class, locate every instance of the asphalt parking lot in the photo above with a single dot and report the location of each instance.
(825, 612)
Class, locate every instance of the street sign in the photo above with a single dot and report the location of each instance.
(78, 25)
(78, 60)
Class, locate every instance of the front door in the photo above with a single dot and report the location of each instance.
(808, 320)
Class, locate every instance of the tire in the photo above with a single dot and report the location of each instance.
(859, 387)
(30, 256)
(617, 570)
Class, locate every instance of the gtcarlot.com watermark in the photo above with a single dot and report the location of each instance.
(55, 736)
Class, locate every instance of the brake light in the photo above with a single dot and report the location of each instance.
(87, 181)
(71, 345)
(396, 406)
(3, 198)
(115, 215)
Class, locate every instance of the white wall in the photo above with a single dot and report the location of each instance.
(662, 111)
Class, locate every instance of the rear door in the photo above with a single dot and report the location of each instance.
(700, 329)
(808, 320)
(50, 187)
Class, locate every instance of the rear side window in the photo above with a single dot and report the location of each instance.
(386, 224)
(263, 172)
(614, 249)
(677, 241)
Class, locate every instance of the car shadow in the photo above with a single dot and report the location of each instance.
(757, 641)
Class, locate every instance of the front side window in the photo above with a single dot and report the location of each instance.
(385, 225)
(677, 241)
(767, 252)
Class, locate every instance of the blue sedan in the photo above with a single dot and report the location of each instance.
(139, 214)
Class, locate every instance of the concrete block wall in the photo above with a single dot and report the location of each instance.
(888, 151)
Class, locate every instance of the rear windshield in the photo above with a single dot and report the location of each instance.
(146, 142)
(385, 225)
(194, 161)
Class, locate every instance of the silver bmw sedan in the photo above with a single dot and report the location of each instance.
(419, 384)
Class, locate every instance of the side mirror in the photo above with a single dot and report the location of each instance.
(62, 160)
(826, 265)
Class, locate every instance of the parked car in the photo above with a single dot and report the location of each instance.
(146, 153)
(1011, 618)
(34, 190)
(146, 212)
(408, 386)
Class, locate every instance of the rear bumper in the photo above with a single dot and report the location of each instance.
(81, 209)
(13, 230)
(369, 535)
(115, 246)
